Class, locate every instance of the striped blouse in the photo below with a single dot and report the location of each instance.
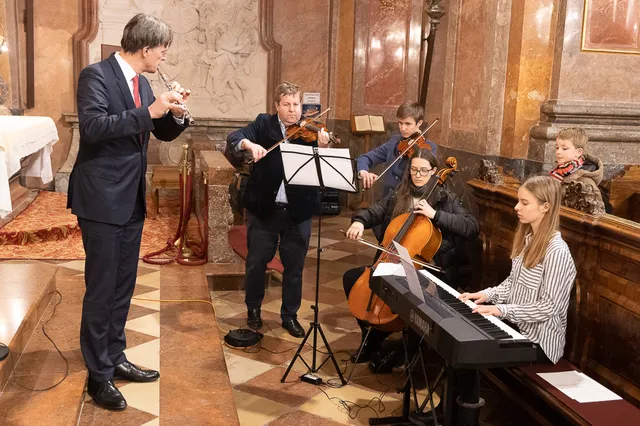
(537, 299)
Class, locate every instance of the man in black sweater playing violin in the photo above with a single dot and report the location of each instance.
(276, 213)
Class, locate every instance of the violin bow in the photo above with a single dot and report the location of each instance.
(303, 125)
(382, 249)
(413, 142)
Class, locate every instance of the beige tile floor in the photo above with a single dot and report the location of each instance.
(259, 395)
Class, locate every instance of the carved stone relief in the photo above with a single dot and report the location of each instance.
(216, 51)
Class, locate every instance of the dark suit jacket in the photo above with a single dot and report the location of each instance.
(114, 136)
(267, 174)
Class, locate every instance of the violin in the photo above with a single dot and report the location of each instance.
(307, 129)
(408, 149)
(420, 237)
(407, 145)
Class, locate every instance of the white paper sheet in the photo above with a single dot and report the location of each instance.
(340, 176)
(579, 386)
(385, 269)
(300, 167)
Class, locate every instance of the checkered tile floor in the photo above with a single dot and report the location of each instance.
(256, 375)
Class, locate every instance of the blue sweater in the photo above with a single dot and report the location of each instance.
(386, 153)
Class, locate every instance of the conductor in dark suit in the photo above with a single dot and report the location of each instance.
(117, 111)
(276, 213)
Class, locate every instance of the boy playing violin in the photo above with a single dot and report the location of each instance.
(410, 116)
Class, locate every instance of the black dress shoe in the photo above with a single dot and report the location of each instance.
(130, 372)
(253, 318)
(106, 395)
(293, 327)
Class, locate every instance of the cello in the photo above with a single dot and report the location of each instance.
(421, 239)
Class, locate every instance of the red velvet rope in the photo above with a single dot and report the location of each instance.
(199, 249)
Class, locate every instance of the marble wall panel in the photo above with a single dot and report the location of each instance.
(530, 63)
(469, 77)
(386, 56)
(473, 97)
(384, 70)
(591, 76)
(436, 92)
(5, 71)
(344, 60)
(55, 24)
(612, 26)
(304, 31)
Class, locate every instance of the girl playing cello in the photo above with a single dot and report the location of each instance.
(442, 207)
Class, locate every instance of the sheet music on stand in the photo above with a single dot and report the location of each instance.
(319, 167)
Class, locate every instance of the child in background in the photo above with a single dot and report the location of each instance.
(576, 166)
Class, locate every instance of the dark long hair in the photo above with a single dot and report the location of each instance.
(404, 199)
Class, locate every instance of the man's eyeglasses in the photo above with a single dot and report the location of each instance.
(423, 171)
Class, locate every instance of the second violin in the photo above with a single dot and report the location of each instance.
(409, 146)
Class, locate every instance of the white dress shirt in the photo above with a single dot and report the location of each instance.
(129, 73)
(281, 196)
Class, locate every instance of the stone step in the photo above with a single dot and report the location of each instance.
(26, 288)
(231, 276)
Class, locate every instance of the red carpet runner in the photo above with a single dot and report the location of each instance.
(47, 230)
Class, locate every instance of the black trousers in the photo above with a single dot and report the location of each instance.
(263, 235)
(110, 271)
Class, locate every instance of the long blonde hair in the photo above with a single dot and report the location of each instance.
(546, 190)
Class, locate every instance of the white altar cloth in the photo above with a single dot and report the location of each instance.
(21, 136)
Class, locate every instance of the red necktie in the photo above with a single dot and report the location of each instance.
(136, 99)
(136, 91)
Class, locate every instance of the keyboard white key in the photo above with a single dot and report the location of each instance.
(497, 322)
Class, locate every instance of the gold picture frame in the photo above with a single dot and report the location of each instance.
(614, 36)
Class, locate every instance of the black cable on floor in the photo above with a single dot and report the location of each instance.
(44, 331)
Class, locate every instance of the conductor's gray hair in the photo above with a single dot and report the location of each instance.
(145, 31)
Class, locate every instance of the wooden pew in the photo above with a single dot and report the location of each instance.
(603, 337)
(625, 194)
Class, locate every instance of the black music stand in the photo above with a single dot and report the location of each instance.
(322, 168)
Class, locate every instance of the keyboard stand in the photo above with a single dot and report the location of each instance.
(408, 388)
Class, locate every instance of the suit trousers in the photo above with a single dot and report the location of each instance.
(263, 235)
(111, 267)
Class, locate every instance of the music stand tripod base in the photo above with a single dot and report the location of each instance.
(315, 326)
(300, 163)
